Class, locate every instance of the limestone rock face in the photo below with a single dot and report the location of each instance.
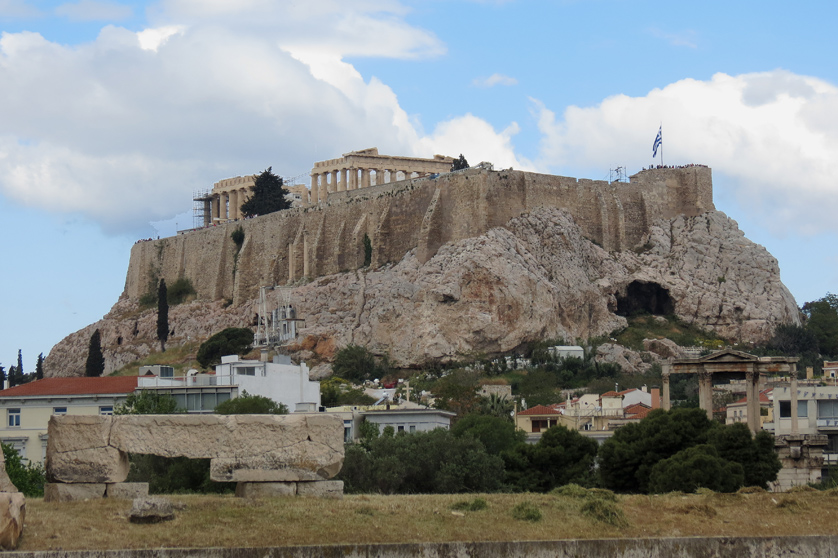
(535, 278)
(266, 448)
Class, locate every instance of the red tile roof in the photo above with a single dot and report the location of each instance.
(638, 413)
(74, 386)
(540, 410)
(611, 394)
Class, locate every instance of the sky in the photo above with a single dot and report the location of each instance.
(114, 114)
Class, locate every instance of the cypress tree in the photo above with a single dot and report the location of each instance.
(2, 378)
(12, 375)
(268, 195)
(95, 365)
(39, 367)
(162, 315)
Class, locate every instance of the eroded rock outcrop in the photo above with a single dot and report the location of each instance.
(537, 277)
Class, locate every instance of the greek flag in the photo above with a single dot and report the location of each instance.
(658, 142)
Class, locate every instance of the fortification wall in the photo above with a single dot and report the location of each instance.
(421, 214)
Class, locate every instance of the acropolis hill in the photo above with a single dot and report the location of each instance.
(477, 261)
(421, 214)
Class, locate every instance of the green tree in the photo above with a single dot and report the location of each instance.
(28, 478)
(2, 378)
(19, 367)
(247, 404)
(626, 459)
(237, 236)
(822, 321)
(560, 457)
(335, 392)
(179, 291)
(39, 368)
(230, 341)
(147, 402)
(356, 363)
(95, 364)
(457, 392)
(459, 163)
(696, 467)
(12, 376)
(497, 406)
(162, 314)
(367, 250)
(755, 453)
(268, 196)
(496, 434)
(448, 465)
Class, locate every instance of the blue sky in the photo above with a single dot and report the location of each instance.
(113, 113)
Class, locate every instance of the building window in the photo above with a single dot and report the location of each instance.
(14, 417)
(828, 409)
(412, 428)
(19, 445)
(401, 428)
(785, 409)
(59, 410)
(803, 409)
(107, 410)
(246, 370)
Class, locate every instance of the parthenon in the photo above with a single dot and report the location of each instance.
(364, 168)
(357, 169)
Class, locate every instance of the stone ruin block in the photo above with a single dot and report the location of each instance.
(247, 448)
(321, 489)
(12, 516)
(126, 490)
(65, 492)
(265, 489)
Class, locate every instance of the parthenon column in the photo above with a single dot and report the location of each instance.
(342, 180)
(705, 392)
(234, 204)
(352, 183)
(324, 187)
(225, 202)
(314, 189)
(365, 178)
(334, 181)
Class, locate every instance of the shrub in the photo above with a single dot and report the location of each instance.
(179, 291)
(604, 511)
(356, 363)
(238, 236)
(29, 477)
(247, 404)
(230, 341)
(526, 511)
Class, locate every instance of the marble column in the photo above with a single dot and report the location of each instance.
(234, 204)
(352, 182)
(324, 186)
(342, 180)
(314, 194)
(333, 183)
(666, 404)
(365, 178)
(705, 393)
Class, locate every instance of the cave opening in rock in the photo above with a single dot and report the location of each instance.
(645, 298)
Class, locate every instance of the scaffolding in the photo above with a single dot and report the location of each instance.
(278, 325)
(201, 209)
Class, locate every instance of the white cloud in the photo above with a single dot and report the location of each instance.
(124, 129)
(774, 133)
(92, 10)
(17, 8)
(477, 141)
(493, 80)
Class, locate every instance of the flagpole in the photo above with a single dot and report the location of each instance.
(661, 129)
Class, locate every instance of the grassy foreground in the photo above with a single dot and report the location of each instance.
(226, 521)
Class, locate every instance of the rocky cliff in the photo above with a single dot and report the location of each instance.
(536, 277)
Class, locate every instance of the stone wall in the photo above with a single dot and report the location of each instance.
(421, 214)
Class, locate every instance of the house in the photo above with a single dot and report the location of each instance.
(538, 419)
(408, 418)
(26, 409)
(738, 411)
(279, 380)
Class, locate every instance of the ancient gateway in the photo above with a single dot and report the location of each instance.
(368, 207)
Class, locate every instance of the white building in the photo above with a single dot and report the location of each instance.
(280, 380)
(404, 418)
(26, 409)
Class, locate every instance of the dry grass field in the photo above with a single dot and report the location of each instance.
(225, 521)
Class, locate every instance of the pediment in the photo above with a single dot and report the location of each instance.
(729, 355)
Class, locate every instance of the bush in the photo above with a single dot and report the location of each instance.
(29, 477)
(238, 236)
(604, 511)
(147, 402)
(246, 404)
(693, 468)
(230, 341)
(526, 511)
(179, 291)
(356, 364)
